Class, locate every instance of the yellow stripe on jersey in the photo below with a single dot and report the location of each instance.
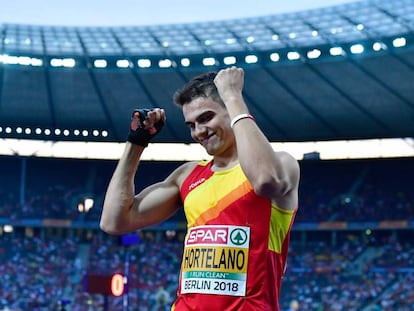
(280, 221)
(213, 212)
(217, 192)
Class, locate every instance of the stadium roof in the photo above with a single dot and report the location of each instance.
(341, 72)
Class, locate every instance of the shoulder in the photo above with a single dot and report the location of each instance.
(288, 161)
(285, 155)
(187, 167)
(181, 172)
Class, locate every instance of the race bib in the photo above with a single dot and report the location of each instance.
(215, 260)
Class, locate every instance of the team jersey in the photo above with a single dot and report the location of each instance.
(235, 249)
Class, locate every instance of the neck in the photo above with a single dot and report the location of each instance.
(220, 164)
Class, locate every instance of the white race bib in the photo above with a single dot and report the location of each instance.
(215, 260)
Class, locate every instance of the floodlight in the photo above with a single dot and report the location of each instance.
(68, 62)
(24, 60)
(378, 46)
(36, 62)
(229, 60)
(336, 51)
(8, 228)
(274, 57)
(399, 42)
(122, 63)
(165, 63)
(293, 55)
(251, 59)
(209, 61)
(315, 53)
(100, 63)
(231, 41)
(275, 37)
(56, 62)
(144, 63)
(356, 48)
(360, 27)
(185, 62)
(88, 203)
(250, 39)
(12, 60)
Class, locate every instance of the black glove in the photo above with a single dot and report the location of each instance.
(138, 135)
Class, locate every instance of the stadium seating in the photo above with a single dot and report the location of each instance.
(366, 265)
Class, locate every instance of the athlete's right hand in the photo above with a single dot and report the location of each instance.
(145, 124)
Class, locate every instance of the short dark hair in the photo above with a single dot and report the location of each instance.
(199, 86)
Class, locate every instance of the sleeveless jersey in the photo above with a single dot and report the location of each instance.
(235, 249)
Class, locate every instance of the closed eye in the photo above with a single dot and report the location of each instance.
(203, 118)
(190, 125)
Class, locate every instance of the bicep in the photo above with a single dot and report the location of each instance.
(155, 204)
(158, 201)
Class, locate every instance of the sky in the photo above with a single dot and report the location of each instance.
(148, 12)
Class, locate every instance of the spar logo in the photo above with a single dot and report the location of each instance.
(219, 235)
(208, 235)
(238, 236)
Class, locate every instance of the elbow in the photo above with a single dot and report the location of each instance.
(272, 188)
(110, 227)
(280, 181)
(114, 219)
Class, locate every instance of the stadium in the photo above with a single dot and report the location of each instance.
(333, 86)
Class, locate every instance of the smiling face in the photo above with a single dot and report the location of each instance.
(209, 124)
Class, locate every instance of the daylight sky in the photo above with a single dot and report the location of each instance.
(148, 12)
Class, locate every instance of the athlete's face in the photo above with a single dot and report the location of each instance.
(209, 124)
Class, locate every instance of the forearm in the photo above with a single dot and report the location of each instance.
(120, 193)
(271, 174)
(256, 155)
(262, 166)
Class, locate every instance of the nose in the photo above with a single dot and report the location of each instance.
(199, 130)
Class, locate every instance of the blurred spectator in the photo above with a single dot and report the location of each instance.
(325, 270)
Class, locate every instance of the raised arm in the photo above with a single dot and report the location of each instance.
(123, 211)
(274, 175)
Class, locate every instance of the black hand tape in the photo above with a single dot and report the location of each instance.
(138, 135)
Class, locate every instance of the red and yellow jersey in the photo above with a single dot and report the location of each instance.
(236, 246)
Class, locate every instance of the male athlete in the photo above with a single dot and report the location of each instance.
(239, 206)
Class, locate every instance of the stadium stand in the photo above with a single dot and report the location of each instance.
(336, 268)
(352, 243)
